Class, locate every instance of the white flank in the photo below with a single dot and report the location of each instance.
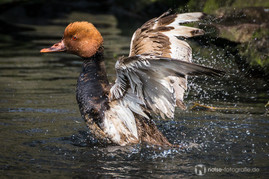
(119, 121)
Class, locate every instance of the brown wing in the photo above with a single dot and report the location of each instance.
(159, 36)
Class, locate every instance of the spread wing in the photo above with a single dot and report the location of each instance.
(163, 36)
(141, 82)
(159, 36)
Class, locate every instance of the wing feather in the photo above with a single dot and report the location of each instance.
(142, 80)
(160, 36)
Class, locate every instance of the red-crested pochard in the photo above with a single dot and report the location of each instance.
(151, 80)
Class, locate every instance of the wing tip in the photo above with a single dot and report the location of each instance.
(219, 73)
(184, 18)
(197, 32)
(194, 15)
(214, 72)
(209, 72)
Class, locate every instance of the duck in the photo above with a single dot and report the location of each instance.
(150, 82)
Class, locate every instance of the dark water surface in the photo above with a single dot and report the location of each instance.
(43, 135)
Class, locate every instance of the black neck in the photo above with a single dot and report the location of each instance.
(93, 87)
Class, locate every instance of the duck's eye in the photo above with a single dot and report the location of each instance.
(74, 38)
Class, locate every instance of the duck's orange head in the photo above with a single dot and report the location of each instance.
(80, 38)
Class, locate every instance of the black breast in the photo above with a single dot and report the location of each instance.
(92, 89)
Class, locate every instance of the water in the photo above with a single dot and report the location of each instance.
(43, 135)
